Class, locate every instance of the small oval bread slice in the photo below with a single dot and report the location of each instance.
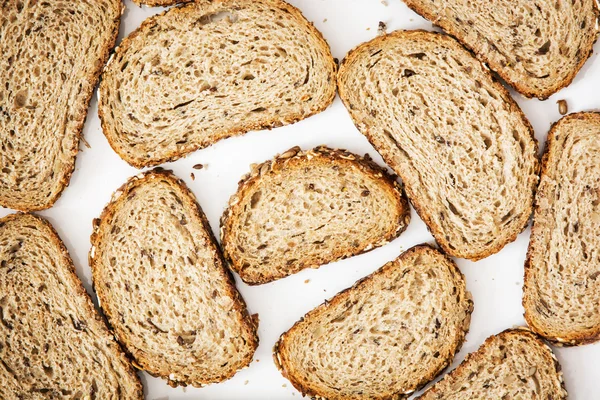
(562, 271)
(308, 208)
(536, 46)
(515, 364)
(53, 343)
(383, 338)
(463, 148)
(208, 70)
(164, 287)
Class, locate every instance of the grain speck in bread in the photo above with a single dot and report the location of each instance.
(52, 52)
(515, 364)
(208, 70)
(308, 208)
(164, 287)
(383, 338)
(562, 271)
(53, 343)
(463, 148)
(536, 46)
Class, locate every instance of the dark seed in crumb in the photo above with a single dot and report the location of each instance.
(198, 166)
(365, 193)
(193, 176)
(563, 107)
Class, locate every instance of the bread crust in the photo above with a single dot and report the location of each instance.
(573, 338)
(339, 298)
(190, 8)
(415, 199)
(248, 322)
(323, 155)
(114, 346)
(516, 84)
(477, 357)
(93, 77)
(159, 3)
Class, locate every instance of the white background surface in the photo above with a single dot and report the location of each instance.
(495, 282)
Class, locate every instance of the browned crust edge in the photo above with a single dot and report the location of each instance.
(114, 346)
(92, 77)
(174, 155)
(277, 353)
(414, 198)
(572, 338)
(249, 322)
(476, 357)
(516, 84)
(328, 155)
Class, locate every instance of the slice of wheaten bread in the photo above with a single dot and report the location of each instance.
(209, 70)
(536, 46)
(515, 364)
(163, 284)
(53, 343)
(308, 208)
(383, 338)
(462, 146)
(51, 54)
(562, 270)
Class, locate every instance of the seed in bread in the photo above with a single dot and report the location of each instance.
(537, 47)
(515, 364)
(53, 343)
(309, 208)
(208, 70)
(562, 270)
(463, 148)
(164, 287)
(383, 338)
(52, 52)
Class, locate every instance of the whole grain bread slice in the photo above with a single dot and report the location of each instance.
(562, 271)
(304, 209)
(53, 343)
(208, 70)
(515, 364)
(163, 284)
(52, 54)
(463, 148)
(383, 338)
(535, 46)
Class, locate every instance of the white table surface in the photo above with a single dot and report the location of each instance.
(495, 282)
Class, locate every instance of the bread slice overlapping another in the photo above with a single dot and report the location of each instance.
(308, 208)
(383, 338)
(537, 47)
(515, 364)
(52, 53)
(562, 270)
(208, 70)
(463, 148)
(164, 287)
(53, 343)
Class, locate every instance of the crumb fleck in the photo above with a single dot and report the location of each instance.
(385, 3)
(284, 385)
(324, 20)
(381, 28)
(306, 281)
(85, 142)
(369, 28)
(198, 166)
(193, 176)
(246, 382)
(257, 360)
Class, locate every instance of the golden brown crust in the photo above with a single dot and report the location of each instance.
(521, 88)
(575, 338)
(290, 119)
(320, 154)
(415, 198)
(79, 120)
(114, 346)
(340, 298)
(250, 323)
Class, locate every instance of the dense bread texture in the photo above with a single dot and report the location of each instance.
(515, 364)
(52, 53)
(383, 338)
(536, 46)
(53, 343)
(562, 270)
(308, 208)
(463, 148)
(163, 284)
(209, 70)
